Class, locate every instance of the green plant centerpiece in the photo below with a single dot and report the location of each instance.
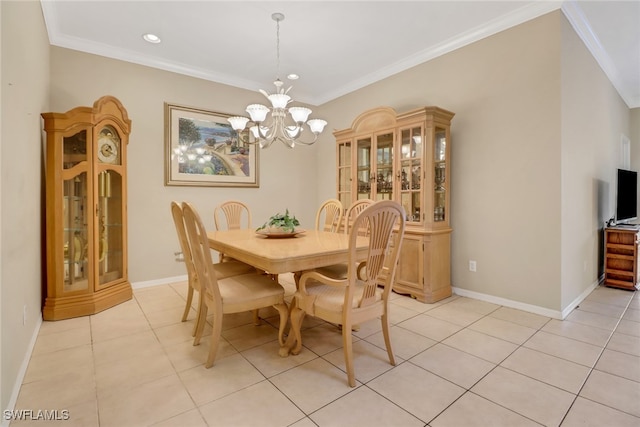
(280, 223)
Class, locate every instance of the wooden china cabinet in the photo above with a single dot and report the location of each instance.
(86, 201)
(405, 157)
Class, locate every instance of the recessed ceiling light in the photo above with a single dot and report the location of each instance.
(151, 38)
(293, 77)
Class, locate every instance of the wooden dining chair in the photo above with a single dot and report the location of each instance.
(231, 215)
(245, 292)
(331, 211)
(354, 300)
(222, 270)
(339, 271)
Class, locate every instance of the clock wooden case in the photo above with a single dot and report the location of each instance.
(86, 202)
(405, 157)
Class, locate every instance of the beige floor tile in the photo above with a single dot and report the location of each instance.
(146, 404)
(305, 422)
(123, 319)
(628, 327)
(269, 407)
(417, 391)
(625, 344)
(577, 331)
(430, 327)
(456, 315)
(592, 306)
(322, 339)
(369, 328)
(565, 348)
(405, 344)
(594, 320)
(184, 355)
(64, 325)
(610, 296)
(249, 336)
(503, 329)
(585, 413)
(62, 340)
(158, 319)
(454, 365)
(611, 390)
(363, 408)
(369, 361)
(472, 410)
(60, 364)
(59, 392)
(181, 288)
(620, 364)
(398, 314)
(312, 385)
(116, 377)
(410, 303)
(267, 360)
(523, 318)
(477, 306)
(173, 301)
(481, 345)
(528, 397)
(551, 370)
(142, 344)
(158, 292)
(632, 314)
(178, 332)
(226, 376)
(191, 418)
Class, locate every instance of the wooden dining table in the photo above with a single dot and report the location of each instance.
(308, 250)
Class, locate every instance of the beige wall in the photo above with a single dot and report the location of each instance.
(25, 84)
(505, 91)
(593, 119)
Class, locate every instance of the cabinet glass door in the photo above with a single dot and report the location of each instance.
(384, 167)
(344, 174)
(411, 172)
(440, 173)
(363, 162)
(74, 213)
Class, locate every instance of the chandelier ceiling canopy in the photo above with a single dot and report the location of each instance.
(267, 124)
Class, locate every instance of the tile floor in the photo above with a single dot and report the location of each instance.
(460, 362)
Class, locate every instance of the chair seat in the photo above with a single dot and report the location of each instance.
(249, 291)
(332, 297)
(231, 268)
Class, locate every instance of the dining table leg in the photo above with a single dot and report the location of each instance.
(291, 341)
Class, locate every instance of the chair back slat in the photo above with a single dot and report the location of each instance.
(351, 215)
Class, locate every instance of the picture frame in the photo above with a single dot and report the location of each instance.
(201, 149)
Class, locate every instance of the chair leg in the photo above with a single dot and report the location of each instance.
(347, 344)
(188, 306)
(387, 339)
(297, 315)
(201, 320)
(256, 317)
(215, 339)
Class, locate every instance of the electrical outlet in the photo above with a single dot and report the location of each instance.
(179, 256)
(472, 266)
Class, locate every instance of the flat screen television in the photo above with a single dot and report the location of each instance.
(626, 196)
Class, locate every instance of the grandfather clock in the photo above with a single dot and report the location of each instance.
(86, 209)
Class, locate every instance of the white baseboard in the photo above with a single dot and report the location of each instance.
(157, 282)
(23, 371)
(542, 311)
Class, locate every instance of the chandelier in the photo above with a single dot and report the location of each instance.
(267, 130)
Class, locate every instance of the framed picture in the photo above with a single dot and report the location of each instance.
(201, 149)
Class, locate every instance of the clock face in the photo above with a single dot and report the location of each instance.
(108, 144)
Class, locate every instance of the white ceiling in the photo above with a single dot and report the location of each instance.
(335, 46)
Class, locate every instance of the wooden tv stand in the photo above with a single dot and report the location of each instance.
(621, 257)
